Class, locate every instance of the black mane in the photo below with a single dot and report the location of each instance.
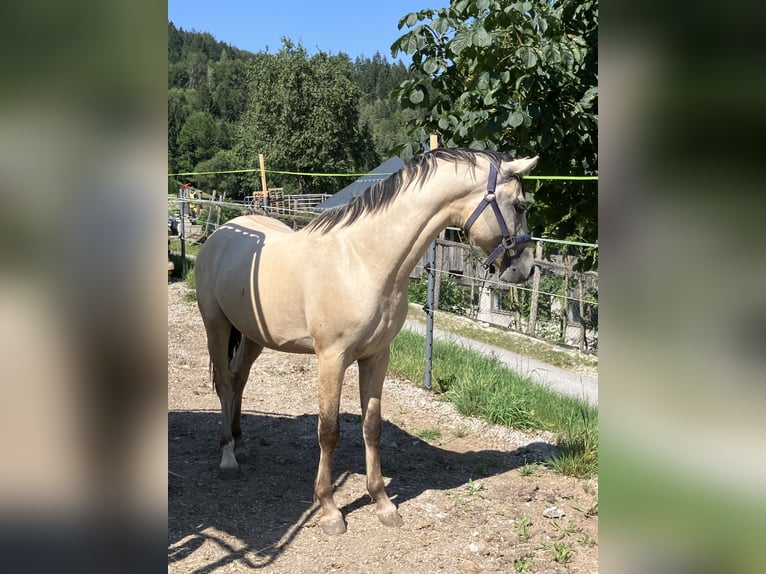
(378, 196)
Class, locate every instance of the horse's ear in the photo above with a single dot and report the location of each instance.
(519, 166)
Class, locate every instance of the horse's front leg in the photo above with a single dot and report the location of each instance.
(331, 370)
(372, 372)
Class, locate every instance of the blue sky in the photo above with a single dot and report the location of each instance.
(356, 27)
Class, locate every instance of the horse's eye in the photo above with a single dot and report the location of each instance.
(519, 207)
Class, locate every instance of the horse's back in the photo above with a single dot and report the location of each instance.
(236, 240)
(260, 223)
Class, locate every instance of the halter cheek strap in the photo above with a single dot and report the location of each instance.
(508, 242)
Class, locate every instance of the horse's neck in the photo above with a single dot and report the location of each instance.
(396, 238)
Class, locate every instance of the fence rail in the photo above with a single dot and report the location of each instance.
(559, 305)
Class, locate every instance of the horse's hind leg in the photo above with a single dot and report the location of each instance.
(240, 365)
(229, 376)
(372, 372)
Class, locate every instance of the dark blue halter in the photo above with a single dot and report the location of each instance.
(509, 242)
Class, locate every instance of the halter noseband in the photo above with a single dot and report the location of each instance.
(509, 241)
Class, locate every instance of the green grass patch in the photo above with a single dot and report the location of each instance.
(181, 272)
(483, 387)
(191, 248)
(430, 433)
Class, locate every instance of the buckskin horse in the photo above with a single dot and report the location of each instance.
(338, 288)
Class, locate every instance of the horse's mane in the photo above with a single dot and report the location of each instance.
(379, 196)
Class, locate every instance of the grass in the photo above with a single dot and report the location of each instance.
(524, 527)
(186, 275)
(191, 248)
(527, 470)
(430, 433)
(482, 387)
(561, 552)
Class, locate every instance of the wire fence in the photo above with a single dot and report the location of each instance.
(559, 304)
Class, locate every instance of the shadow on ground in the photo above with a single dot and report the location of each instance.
(267, 505)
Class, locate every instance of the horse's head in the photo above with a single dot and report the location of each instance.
(498, 224)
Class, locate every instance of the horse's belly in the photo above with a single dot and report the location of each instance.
(271, 324)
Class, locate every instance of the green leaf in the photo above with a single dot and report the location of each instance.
(409, 43)
(482, 38)
(430, 65)
(483, 83)
(482, 5)
(461, 6)
(417, 95)
(516, 119)
(460, 42)
(405, 20)
(587, 99)
(440, 25)
(527, 56)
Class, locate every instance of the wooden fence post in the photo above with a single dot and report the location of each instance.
(535, 291)
(263, 184)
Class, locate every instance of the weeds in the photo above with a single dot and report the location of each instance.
(524, 527)
(523, 564)
(562, 553)
(578, 446)
(430, 433)
(592, 510)
(527, 470)
(475, 488)
(483, 387)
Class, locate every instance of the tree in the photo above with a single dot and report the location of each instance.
(181, 104)
(302, 115)
(198, 140)
(232, 184)
(520, 77)
(384, 116)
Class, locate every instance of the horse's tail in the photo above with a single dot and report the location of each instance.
(235, 338)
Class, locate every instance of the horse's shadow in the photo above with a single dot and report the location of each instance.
(255, 517)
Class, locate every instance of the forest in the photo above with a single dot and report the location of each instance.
(519, 77)
(310, 114)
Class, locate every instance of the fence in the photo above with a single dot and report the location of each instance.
(559, 304)
(281, 204)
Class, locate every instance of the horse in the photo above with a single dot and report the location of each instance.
(338, 289)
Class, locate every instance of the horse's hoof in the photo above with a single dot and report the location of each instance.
(229, 472)
(391, 518)
(333, 526)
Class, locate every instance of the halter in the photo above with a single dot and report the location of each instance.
(508, 242)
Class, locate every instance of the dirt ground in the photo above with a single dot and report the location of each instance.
(467, 504)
